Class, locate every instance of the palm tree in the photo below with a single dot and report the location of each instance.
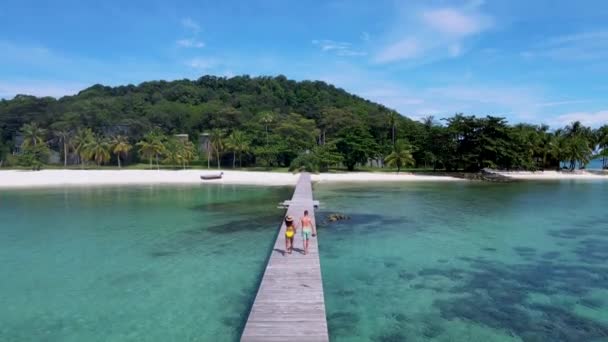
(580, 144)
(237, 142)
(188, 153)
(217, 143)
(64, 136)
(392, 120)
(428, 122)
(32, 134)
(174, 151)
(152, 146)
(146, 150)
(267, 118)
(98, 149)
(401, 156)
(544, 143)
(120, 146)
(79, 142)
(557, 146)
(574, 129)
(602, 140)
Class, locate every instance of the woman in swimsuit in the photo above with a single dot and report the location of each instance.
(308, 229)
(290, 232)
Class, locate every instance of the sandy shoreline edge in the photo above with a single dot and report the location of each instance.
(553, 175)
(51, 178)
(54, 178)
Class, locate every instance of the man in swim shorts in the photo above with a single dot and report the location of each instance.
(308, 230)
(290, 232)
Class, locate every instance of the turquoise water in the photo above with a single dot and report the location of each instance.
(133, 264)
(416, 262)
(466, 261)
(595, 164)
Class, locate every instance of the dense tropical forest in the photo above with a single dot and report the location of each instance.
(272, 122)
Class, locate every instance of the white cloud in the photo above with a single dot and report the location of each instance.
(593, 119)
(202, 63)
(452, 21)
(191, 25)
(190, 43)
(329, 45)
(561, 103)
(392, 94)
(584, 46)
(8, 89)
(516, 102)
(407, 48)
(350, 53)
(442, 100)
(433, 33)
(339, 48)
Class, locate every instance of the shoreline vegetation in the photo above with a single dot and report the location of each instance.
(272, 122)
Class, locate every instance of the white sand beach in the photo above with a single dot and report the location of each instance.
(553, 175)
(51, 178)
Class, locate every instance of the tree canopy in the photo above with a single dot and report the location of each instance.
(275, 121)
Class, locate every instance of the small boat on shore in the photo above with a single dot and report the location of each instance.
(212, 176)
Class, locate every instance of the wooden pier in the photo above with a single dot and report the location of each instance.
(290, 305)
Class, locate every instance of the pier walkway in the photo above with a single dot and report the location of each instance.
(290, 305)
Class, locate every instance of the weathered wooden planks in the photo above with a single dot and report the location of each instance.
(290, 305)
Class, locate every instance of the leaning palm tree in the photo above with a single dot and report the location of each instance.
(32, 134)
(98, 150)
(188, 153)
(79, 142)
(401, 156)
(237, 142)
(120, 146)
(217, 143)
(174, 151)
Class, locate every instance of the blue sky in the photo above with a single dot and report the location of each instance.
(534, 61)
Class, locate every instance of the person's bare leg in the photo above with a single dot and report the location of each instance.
(286, 245)
(290, 245)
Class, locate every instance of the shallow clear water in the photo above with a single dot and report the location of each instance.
(466, 261)
(133, 264)
(595, 164)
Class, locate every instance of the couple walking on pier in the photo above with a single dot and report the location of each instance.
(308, 230)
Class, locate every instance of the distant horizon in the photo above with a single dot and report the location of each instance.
(540, 62)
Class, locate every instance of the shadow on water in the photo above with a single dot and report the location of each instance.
(363, 222)
(191, 240)
(501, 296)
(546, 295)
(593, 251)
(495, 294)
(249, 224)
